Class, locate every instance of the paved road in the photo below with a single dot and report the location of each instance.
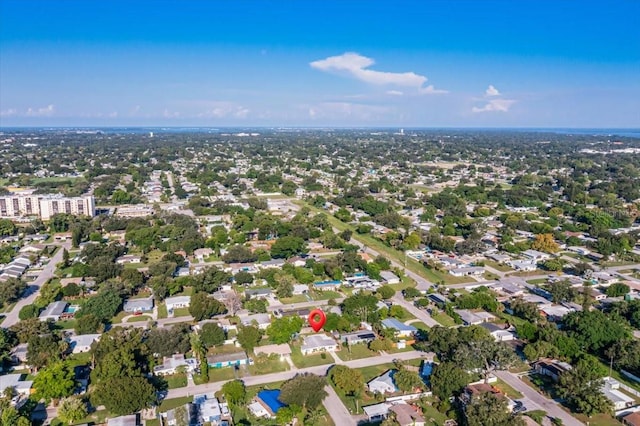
(421, 314)
(336, 409)
(551, 407)
(338, 412)
(34, 286)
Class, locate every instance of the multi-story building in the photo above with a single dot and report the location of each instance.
(45, 206)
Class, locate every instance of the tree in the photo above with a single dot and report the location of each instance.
(485, 354)
(44, 349)
(285, 284)
(239, 254)
(386, 292)
(562, 291)
(167, 341)
(304, 390)
(581, 386)
(72, 410)
(288, 246)
(362, 306)
(397, 311)
(55, 381)
(124, 395)
(447, 380)
(243, 277)
(617, 290)
(379, 345)
(489, 409)
(249, 337)
(594, 330)
(348, 380)
(103, 306)
(283, 329)
(7, 227)
(407, 381)
(204, 307)
(212, 335)
(234, 392)
(90, 324)
(545, 243)
(32, 327)
(28, 311)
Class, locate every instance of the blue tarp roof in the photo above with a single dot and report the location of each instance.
(270, 397)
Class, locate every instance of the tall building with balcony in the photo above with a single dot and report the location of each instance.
(45, 206)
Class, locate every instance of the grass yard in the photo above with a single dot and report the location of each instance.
(162, 311)
(262, 365)
(432, 416)
(405, 282)
(168, 404)
(499, 266)
(298, 298)
(66, 324)
(222, 374)
(597, 419)
(443, 319)
(304, 361)
(326, 295)
(139, 318)
(490, 277)
(508, 390)
(176, 381)
(181, 312)
(357, 351)
(119, 316)
(537, 281)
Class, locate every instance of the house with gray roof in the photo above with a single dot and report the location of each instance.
(383, 383)
(138, 305)
(403, 330)
(53, 311)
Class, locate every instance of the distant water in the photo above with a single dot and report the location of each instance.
(631, 133)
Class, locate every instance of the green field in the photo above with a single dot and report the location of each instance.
(357, 351)
(304, 361)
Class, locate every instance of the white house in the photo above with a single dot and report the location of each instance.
(82, 343)
(389, 277)
(284, 350)
(403, 330)
(383, 384)
(177, 302)
(498, 333)
(172, 364)
(262, 320)
(318, 343)
(535, 255)
(611, 390)
(22, 387)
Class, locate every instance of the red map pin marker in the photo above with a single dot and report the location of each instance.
(317, 318)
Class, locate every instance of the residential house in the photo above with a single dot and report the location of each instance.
(210, 410)
(129, 420)
(360, 336)
(202, 253)
(273, 263)
(498, 333)
(535, 255)
(21, 387)
(261, 320)
(327, 285)
(188, 416)
(611, 390)
(383, 383)
(53, 311)
(403, 330)
(318, 343)
(407, 415)
(389, 277)
(631, 419)
(555, 313)
(259, 293)
(551, 368)
(266, 403)
(175, 363)
(183, 271)
(466, 271)
(283, 350)
(177, 302)
(138, 305)
(377, 412)
(438, 299)
(128, 258)
(299, 289)
(473, 391)
(227, 360)
(82, 343)
(522, 265)
(474, 318)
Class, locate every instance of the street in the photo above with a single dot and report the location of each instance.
(34, 287)
(334, 405)
(551, 407)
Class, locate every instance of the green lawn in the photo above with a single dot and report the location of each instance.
(263, 365)
(372, 371)
(176, 380)
(181, 312)
(304, 361)
(508, 390)
(357, 351)
(162, 311)
(119, 316)
(490, 277)
(298, 298)
(326, 295)
(432, 416)
(420, 325)
(139, 318)
(405, 282)
(66, 324)
(443, 319)
(168, 404)
(499, 266)
(537, 281)
(222, 374)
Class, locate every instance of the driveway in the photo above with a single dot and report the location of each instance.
(551, 407)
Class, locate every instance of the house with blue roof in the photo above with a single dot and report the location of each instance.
(402, 329)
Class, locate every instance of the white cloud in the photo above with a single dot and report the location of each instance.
(170, 114)
(499, 105)
(357, 66)
(346, 110)
(491, 91)
(41, 112)
(8, 112)
(225, 109)
(394, 93)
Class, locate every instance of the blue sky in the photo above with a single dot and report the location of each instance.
(421, 63)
